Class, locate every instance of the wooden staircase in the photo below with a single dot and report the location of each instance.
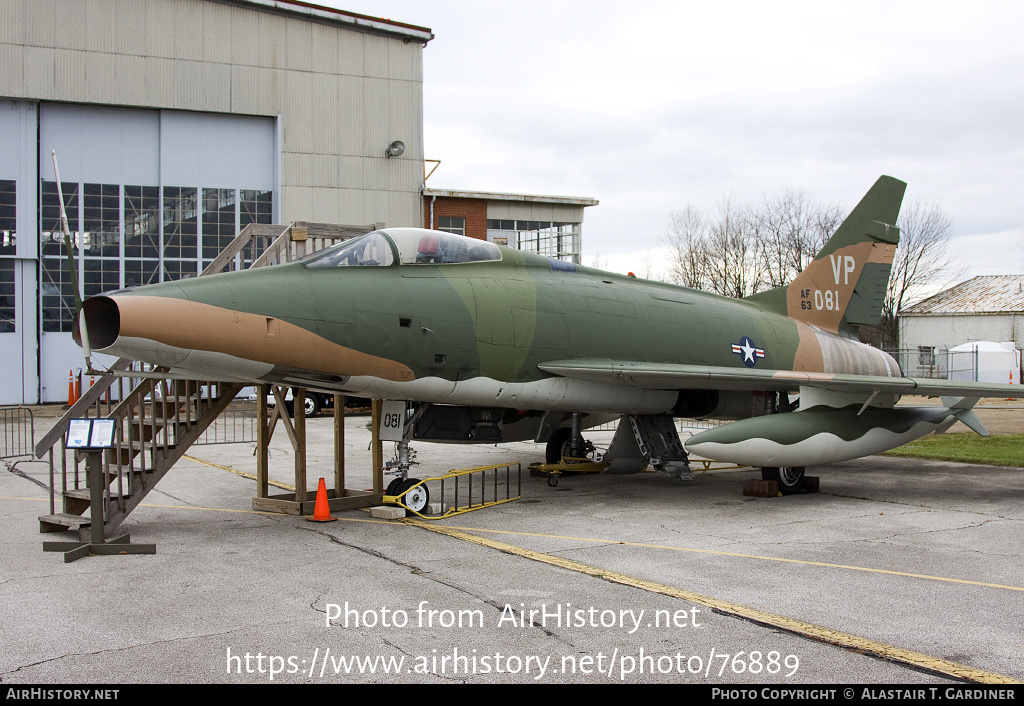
(156, 424)
(159, 417)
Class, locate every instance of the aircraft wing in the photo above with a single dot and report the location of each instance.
(672, 376)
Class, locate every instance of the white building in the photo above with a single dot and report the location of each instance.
(176, 123)
(989, 308)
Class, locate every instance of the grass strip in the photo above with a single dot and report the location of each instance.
(1002, 450)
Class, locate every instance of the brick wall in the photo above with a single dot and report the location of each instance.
(473, 210)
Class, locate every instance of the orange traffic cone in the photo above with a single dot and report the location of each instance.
(321, 511)
(71, 388)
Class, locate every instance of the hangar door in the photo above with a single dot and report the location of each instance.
(19, 380)
(151, 196)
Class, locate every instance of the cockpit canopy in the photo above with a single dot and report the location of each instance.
(411, 246)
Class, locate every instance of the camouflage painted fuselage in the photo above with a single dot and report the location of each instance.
(469, 333)
(500, 335)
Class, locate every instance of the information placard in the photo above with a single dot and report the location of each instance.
(91, 433)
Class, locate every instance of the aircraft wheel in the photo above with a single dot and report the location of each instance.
(789, 478)
(311, 405)
(417, 499)
(393, 486)
(560, 444)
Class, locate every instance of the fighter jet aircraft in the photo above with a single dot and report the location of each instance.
(487, 343)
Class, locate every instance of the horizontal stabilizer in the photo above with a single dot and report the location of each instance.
(963, 409)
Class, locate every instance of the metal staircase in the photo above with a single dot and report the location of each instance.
(158, 418)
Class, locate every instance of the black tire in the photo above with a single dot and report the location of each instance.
(418, 499)
(393, 486)
(558, 445)
(789, 478)
(312, 405)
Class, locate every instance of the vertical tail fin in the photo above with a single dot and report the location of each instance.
(846, 282)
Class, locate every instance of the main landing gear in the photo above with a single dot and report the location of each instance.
(789, 478)
(567, 448)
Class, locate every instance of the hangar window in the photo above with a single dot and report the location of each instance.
(7, 296)
(101, 239)
(141, 235)
(218, 222)
(57, 298)
(557, 240)
(8, 242)
(181, 215)
(8, 221)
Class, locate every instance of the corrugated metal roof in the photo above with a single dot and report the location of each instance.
(495, 196)
(354, 20)
(990, 294)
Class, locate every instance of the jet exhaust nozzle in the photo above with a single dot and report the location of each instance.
(103, 321)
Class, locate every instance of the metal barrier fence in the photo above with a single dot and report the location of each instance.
(467, 489)
(17, 427)
(684, 426)
(235, 425)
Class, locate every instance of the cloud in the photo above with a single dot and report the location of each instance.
(660, 104)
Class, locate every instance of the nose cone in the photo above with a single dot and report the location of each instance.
(196, 327)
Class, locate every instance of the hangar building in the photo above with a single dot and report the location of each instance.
(984, 308)
(176, 123)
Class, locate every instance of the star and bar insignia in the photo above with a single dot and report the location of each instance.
(748, 350)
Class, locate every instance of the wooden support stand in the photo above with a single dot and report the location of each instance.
(302, 502)
(769, 489)
(97, 544)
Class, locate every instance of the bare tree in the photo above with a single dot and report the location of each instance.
(740, 251)
(924, 259)
(687, 236)
(790, 230)
(649, 269)
(733, 251)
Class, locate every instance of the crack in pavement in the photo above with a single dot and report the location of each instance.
(500, 608)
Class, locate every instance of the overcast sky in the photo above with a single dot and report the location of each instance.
(651, 106)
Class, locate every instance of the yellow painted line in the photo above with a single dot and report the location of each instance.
(716, 552)
(799, 627)
(229, 469)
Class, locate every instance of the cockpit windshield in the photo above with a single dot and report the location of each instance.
(415, 246)
(370, 250)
